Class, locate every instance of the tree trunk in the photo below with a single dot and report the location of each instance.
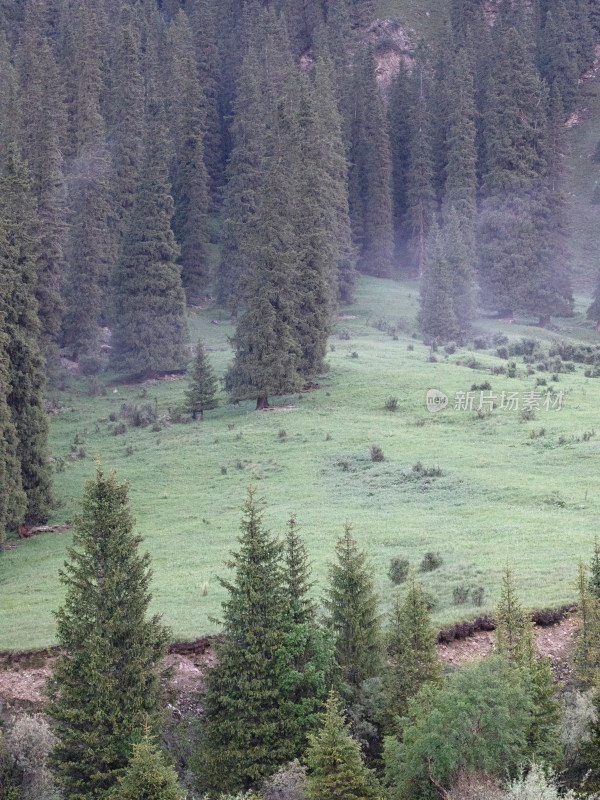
(598, 325)
(262, 403)
(544, 321)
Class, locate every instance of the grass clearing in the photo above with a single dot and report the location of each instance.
(503, 493)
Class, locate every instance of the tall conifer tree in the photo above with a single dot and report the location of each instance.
(150, 330)
(19, 224)
(351, 603)
(244, 733)
(106, 684)
(371, 172)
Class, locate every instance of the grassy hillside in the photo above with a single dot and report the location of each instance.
(503, 495)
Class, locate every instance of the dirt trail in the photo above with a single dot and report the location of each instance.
(23, 684)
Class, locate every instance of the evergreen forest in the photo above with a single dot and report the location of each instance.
(253, 253)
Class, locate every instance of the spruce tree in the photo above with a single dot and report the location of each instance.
(106, 684)
(336, 769)
(334, 180)
(515, 642)
(593, 311)
(399, 113)
(296, 576)
(13, 501)
(126, 123)
(587, 651)
(595, 570)
(269, 351)
(148, 776)
(306, 661)
(514, 629)
(437, 317)
(420, 193)
(202, 20)
(18, 309)
(244, 733)
(91, 246)
(371, 172)
(190, 186)
(150, 328)
(200, 396)
(412, 657)
(352, 607)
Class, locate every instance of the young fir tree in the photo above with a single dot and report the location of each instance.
(306, 659)
(201, 393)
(150, 329)
(587, 650)
(148, 776)
(353, 615)
(595, 570)
(336, 768)
(245, 733)
(515, 642)
(19, 249)
(412, 657)
(106, 684)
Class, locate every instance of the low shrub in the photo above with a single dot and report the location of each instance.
(391, 404)
(431, 561)
(398, 571)
(376, 453)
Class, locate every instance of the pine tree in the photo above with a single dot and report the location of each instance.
(190, 177)
(127, 123)
(263, 234)
(587, 651)
(150, 324)
(41, 120)
(399, 115)
(412, 657)
(437, 317)
(335, 763)
(18, 308)
(514, 272)
(202, 20)
(334, 180)
(351, 603)
(244, 732)
(593, 311)
(371, 172)
(106, 684)
(515, 642)
(595, 570)
(420, 193)
(13, 501)
(148, 776)
(91, 246)
(306, 660)
(459, 250)
(514, 629)
(200, 396)
(296, 577)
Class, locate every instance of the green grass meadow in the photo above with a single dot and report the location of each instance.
(503, 495)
